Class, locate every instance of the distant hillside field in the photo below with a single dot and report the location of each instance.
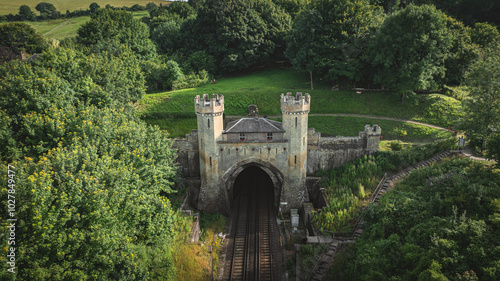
(12, 7)
(64, 28)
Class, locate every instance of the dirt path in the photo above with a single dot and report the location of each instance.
(64, 23)
(363, 116)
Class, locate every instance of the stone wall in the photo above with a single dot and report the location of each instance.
(324, 153)
(188, 155)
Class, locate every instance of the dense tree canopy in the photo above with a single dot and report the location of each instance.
(25, 13)
(99, 78)
(482, 109)
(21, 36)
(235, 32)
(410, 48)
(330, 37)
(461, 54)
(485, 34)
(468, 11)
(292, 7)
(95, 206)
(167, 36)
(47, 10)
(441, 223)
(107, 25)
(27, 89)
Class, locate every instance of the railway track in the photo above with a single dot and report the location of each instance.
(252, 249)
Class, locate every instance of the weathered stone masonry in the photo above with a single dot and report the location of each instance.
(211, 158)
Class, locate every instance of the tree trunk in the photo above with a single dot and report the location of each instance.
(311, 75)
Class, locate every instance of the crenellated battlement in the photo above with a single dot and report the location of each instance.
(374, 130)
(297, 104)
(207, 105)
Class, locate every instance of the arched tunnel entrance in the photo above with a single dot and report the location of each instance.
(255, 251)
(253, 184)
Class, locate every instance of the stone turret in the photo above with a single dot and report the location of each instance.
(207, 105)
(373, 134)
(209, 113)
(295, 111)
(298, 104)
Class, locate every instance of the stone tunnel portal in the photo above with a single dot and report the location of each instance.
(253, 183)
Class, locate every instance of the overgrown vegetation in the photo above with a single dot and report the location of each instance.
(348, 188)
(193, 261)
(440, 223)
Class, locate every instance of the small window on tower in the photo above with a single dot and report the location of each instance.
(269, 136)
(208, 123)
(295, 122)
(242, 136)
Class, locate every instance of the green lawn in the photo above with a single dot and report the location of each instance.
(59, 29)
(12, 7)
(391, 130)
(174, 111)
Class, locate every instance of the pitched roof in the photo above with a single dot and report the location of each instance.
(254, 125)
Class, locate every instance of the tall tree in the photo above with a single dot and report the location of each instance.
(482, 109)
(47, 10)
(485, 34)
(410, 49)
(25, 13)
(21, 36)
(107, 25)
(292, 7)
(26, 89)
(93, 7)
(303, 42)
(461, 54)
(234, 32)
(340, 38)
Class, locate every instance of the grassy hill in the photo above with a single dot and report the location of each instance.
(174, 111)
(64, 28)
(12, 7)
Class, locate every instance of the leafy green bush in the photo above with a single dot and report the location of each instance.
(396, 145)
(192, 80)
(161, 76)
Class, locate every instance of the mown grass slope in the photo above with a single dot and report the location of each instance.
(174, 111)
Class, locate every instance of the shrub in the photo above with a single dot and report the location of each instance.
(396, 145)
(192, 80)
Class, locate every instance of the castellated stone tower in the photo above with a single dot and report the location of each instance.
(210, 126)
(373, 134)
(295, 111)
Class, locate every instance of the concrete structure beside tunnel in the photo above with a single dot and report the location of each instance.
(211, 158)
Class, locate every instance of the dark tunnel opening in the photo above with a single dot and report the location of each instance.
(253, 184)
